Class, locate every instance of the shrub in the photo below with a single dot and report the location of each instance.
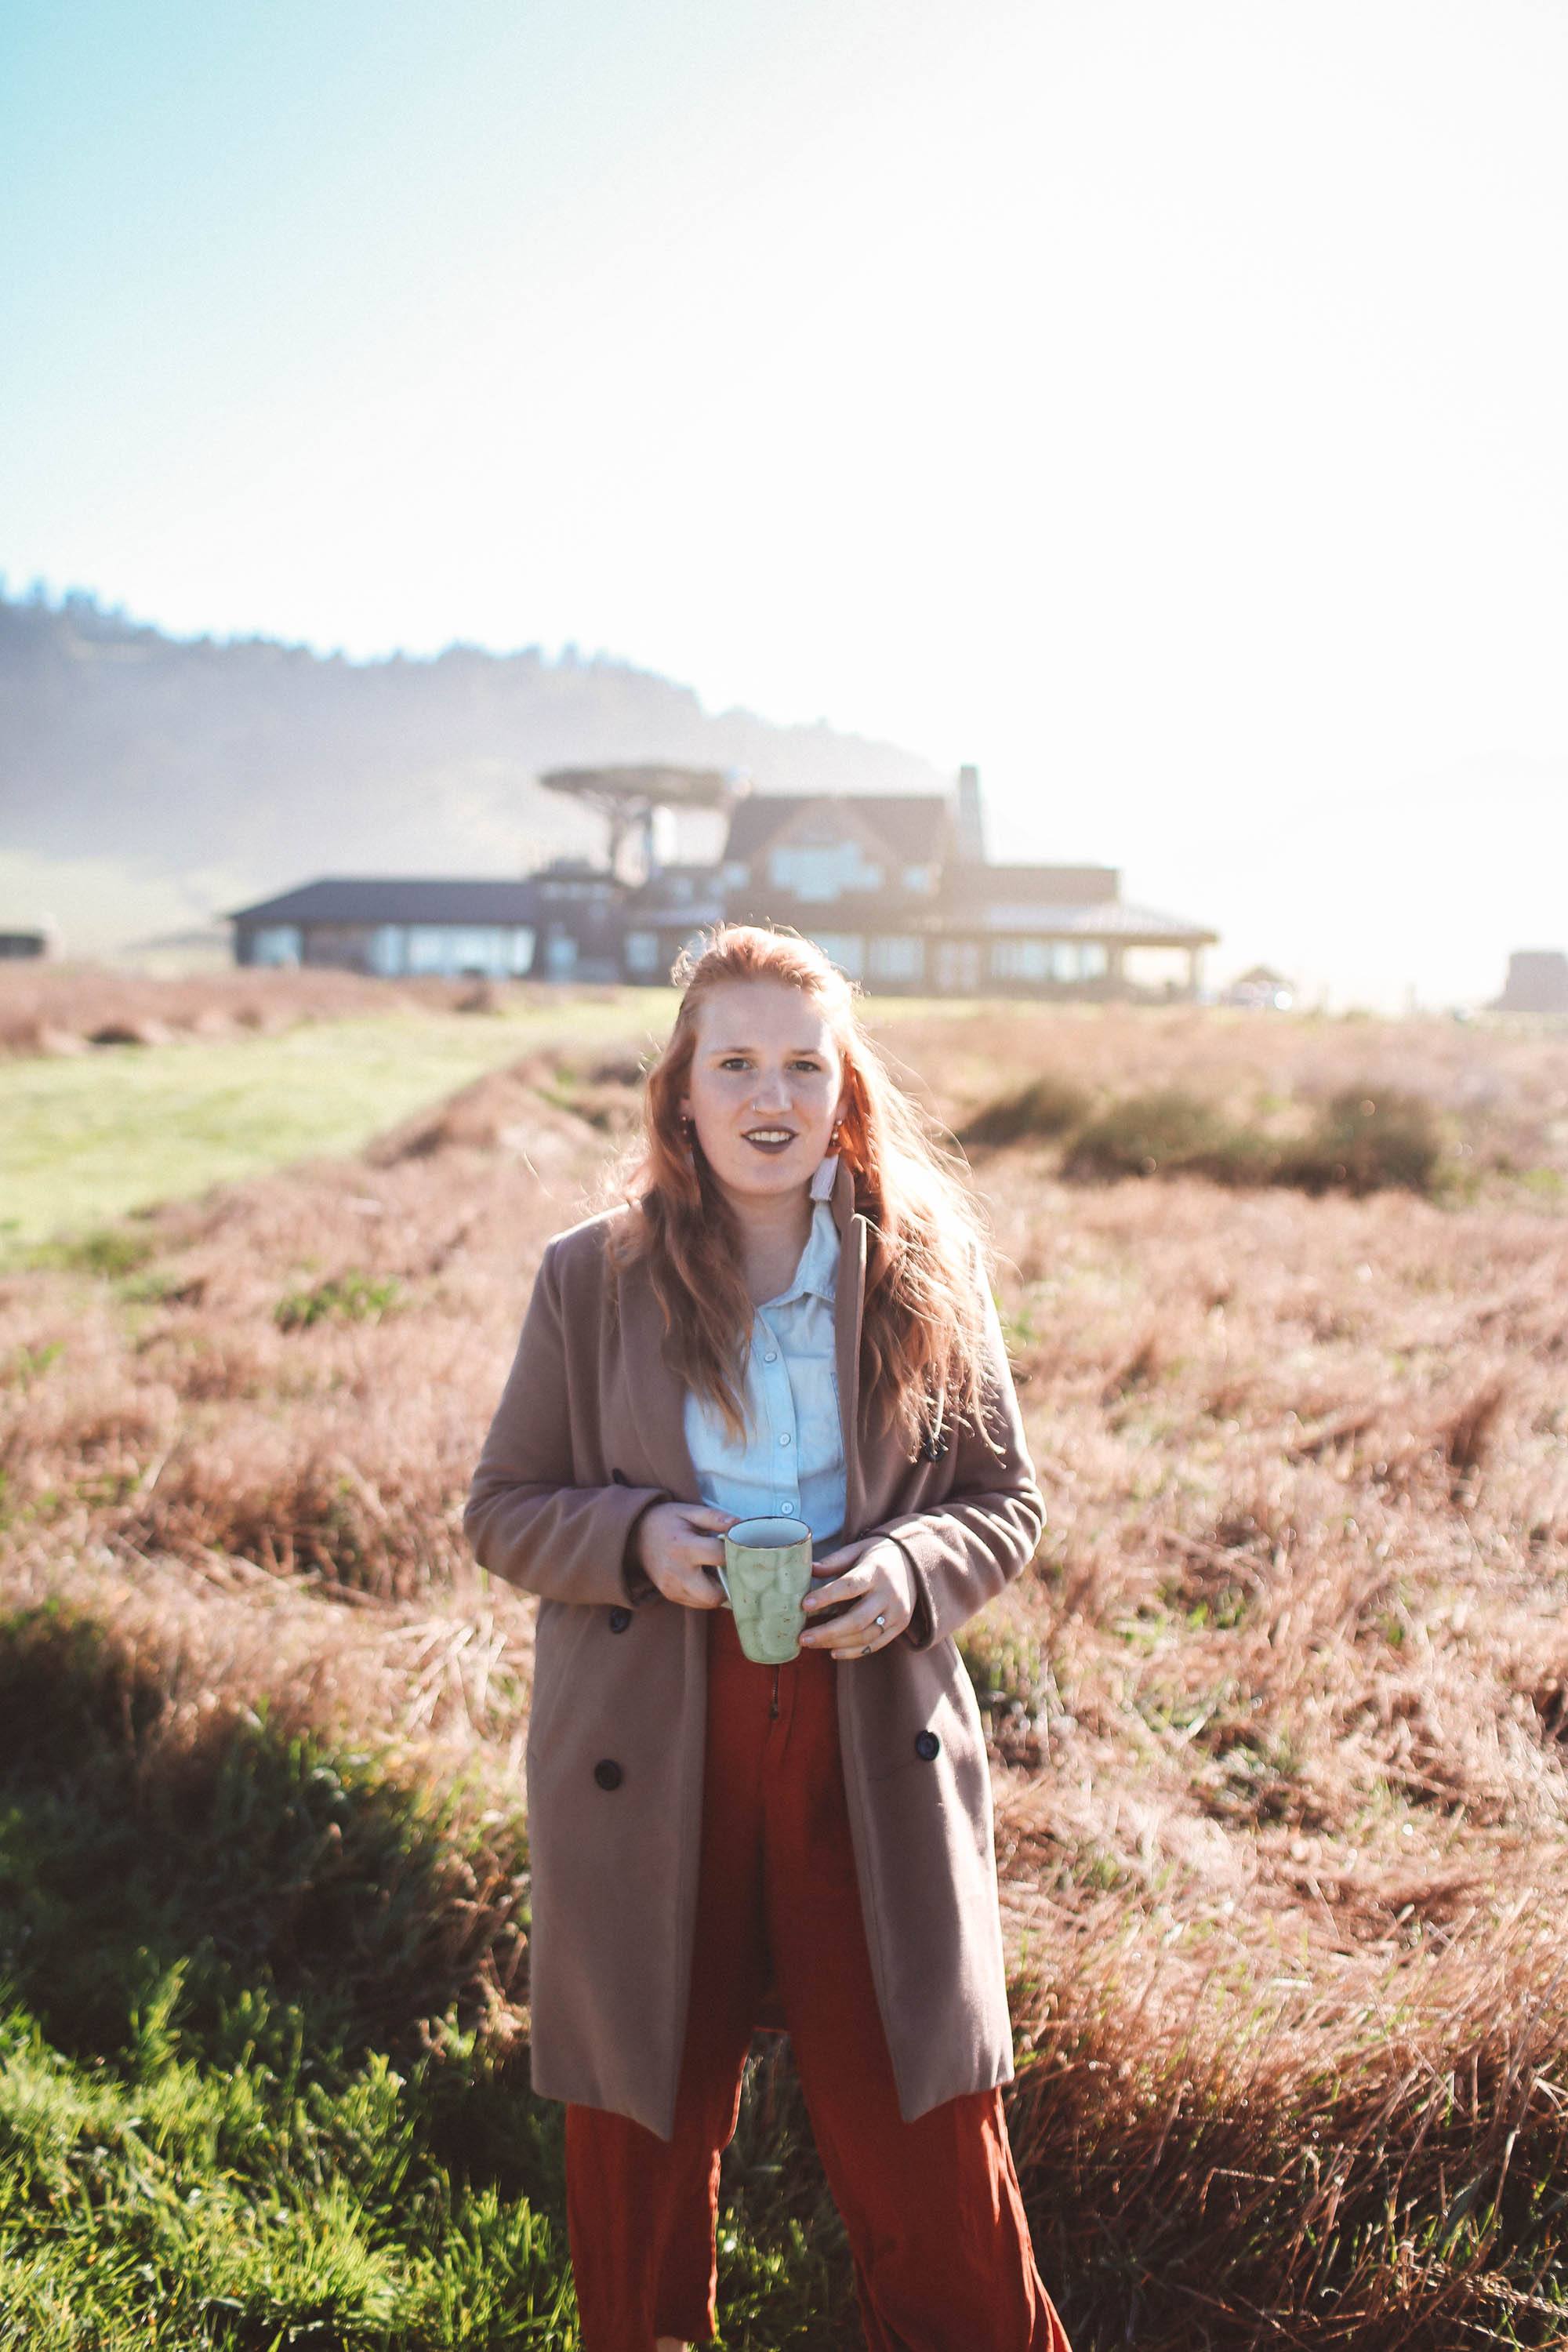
(1366, 1140)
(1048, 1106)
(1167, 1133)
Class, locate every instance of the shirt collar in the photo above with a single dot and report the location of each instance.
(818, 1272)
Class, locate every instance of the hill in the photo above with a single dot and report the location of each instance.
(147, 780)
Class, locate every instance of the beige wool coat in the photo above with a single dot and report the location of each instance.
(589, 1434)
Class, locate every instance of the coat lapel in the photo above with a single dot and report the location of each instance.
(656, 1398)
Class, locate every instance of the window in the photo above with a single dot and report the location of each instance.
(447, 948)
(499, 950)
(917, 877)
(737, 874)
(1092, 960)
(896, 958)
(1026, 959)
(822, 870)
(846, 948)
(642, 951)
(275, 943)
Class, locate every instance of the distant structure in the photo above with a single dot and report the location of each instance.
(630, 799)
(1537, 982)
(894, 888)
(432, 923)
(1261, 989)
(969, 821)
(17, 944)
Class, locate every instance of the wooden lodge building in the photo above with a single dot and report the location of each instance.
(895, 889)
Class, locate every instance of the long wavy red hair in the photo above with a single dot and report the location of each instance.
(927, 1255)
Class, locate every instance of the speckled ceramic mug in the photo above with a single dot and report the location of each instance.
(766, 1576)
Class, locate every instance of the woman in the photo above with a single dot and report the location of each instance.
(786, 1313)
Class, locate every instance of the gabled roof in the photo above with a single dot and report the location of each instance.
(378, 899)
(916, 827)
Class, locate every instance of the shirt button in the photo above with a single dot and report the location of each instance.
(771, 1357)
(785, 1439)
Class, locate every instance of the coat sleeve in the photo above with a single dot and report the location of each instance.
(965, 1549)
(526, 1518)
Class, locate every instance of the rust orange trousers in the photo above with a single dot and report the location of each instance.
(935, 2222)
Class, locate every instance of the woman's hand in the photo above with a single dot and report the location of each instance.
(675, 1545)
(876, 1580)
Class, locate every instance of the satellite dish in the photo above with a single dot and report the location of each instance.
(627, 797)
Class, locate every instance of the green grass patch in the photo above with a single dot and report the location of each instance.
(245, 2100)
(113, 1251)
(87, 1138)
(351, 1297)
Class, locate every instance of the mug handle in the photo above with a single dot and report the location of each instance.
(724, 1580)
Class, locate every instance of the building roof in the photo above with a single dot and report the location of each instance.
(1111, 919)
(888, 913)
(916, 825)
(385, 898)
(967, 884)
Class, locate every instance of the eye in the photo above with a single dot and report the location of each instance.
(734, 1062)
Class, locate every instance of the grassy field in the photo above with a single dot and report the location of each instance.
(1278, 1717)
(89, 1137)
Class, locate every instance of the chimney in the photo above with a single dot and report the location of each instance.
(971, 823)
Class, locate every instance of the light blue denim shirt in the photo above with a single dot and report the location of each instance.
(792, 1459)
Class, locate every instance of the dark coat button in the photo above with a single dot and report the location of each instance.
(620, 1620)
(608, 1773)
(927, 1745)
(619, 1478)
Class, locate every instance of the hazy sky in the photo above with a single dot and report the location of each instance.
(1160, 403)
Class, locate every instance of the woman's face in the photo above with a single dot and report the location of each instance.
(763, 1089)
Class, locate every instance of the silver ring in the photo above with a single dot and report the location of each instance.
(881, 1621)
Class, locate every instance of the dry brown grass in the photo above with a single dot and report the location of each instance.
(62, 1008)
(1280, 1716)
